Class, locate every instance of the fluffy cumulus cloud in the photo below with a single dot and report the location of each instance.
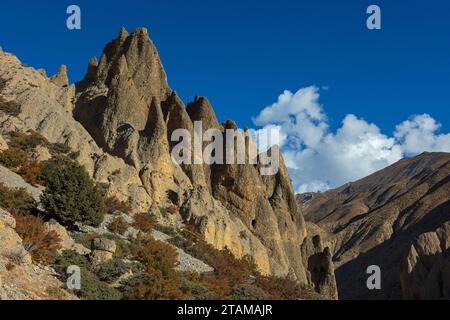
(319, 159)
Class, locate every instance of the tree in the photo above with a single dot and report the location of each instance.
(70, 194)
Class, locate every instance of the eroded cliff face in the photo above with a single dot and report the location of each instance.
(120, 118)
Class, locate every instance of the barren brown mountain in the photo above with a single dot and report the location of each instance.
(396, 219)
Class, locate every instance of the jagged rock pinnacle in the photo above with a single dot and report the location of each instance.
(60, 78)
(201, 110)
(92, 69)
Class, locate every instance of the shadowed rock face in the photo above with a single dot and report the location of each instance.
(395, 214)
(126, 105)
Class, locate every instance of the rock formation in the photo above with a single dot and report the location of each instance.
(320, 267)
(425, 272)
(119, 120)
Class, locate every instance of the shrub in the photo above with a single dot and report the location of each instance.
(198, 290)
(92, 288)
(71, 195)
(26, 141)
(12, 158)
(118, 225)
(11, 108)
(219, 287)
(281, 288)
(112, 270)
(70, 258)
(248, 292)
(41, 244)
(160, 280)
(16, 200)
(58, 149)
(143, 222)
(172, 209)
(30, 171)
(225, 265)
(112, 205)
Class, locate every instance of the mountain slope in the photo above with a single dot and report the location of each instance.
(375, 220)
(118, 121)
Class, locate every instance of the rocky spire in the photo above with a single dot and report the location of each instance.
(143, 61)
(60, 78)
(201, 110)
(91, 73)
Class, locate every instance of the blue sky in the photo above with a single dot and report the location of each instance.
(243, 54)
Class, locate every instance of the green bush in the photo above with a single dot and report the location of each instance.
(70, 258)
(92, 288)
(112, 270)
(16, 200)
(12, 158)
(71, 195)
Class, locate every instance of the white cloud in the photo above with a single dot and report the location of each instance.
(418, 134)
(319, 159)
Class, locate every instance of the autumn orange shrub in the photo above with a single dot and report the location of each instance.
(281, 288)
(112, 204)
(30, 170)
(172, 209)
(42, 245)
(143, 222)
(160, 279)
(225, 265)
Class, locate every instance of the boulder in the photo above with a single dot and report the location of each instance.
(41, 154)
(104, 244)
